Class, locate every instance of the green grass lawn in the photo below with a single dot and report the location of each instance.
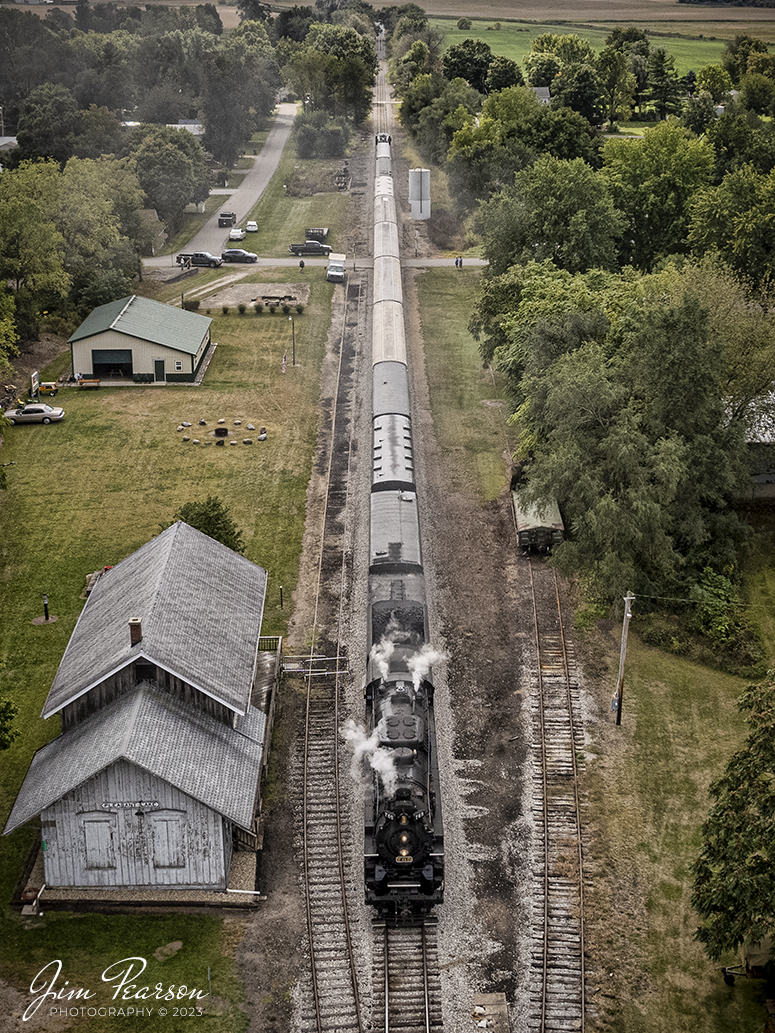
(514, 40)
(85, 493)
(467, 401)
(283, 217)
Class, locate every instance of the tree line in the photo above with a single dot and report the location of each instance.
(628, 304)
(93, 99)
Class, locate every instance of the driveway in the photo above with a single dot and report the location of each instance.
(240, 201)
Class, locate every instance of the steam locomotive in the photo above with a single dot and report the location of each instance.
(404, 838)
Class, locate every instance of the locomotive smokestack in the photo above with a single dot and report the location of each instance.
(135, 631)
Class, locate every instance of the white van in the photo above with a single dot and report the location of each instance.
(335, 271)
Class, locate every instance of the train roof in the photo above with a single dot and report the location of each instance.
(544, 513)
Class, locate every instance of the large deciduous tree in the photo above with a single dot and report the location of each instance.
(734, 875)
(652, 181)
(512, 130)
(617, 83)
(643, 463)
(469, 60)
(737, 219)
(560, 210)
(48, 123)
(172, 171)
(31, 247)
(716, 81)
(578, 87)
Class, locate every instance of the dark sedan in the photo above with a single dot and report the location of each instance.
(238, 254)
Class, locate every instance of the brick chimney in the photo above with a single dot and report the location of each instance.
(135, 631)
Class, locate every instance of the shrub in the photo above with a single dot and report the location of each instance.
(241, 308)
(191, 305)
(225, 309)
(318, 135)
(273, 309)
(258, 308)
(287, 309)
(300, 309)
(464, 24)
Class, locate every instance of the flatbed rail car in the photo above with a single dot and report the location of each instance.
(539, 525)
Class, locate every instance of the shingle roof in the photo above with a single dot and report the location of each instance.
(202, 757)
(148, 320)
(200, 605)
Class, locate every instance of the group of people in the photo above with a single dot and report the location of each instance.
(458, 262)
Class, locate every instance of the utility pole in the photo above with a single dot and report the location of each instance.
(616, 702)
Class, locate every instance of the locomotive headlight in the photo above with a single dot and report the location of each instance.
(404, 838)
(403, 853)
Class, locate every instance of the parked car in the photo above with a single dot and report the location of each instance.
(237, 234)
(251, 227)
(238, 254)
(311, 247)
(36, 413)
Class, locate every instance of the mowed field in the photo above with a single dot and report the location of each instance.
(661, 17)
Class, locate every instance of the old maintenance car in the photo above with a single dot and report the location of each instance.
(35, 412)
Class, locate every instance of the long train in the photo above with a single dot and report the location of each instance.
(404, 838)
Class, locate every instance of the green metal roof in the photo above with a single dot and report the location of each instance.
(148, 320)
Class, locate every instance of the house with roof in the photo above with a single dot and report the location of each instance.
(141, 339)
(155, 778)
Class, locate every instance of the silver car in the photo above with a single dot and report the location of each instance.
(35, 412)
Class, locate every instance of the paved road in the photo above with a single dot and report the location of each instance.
(241, 201)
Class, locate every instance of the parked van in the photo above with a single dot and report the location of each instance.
(335, 271)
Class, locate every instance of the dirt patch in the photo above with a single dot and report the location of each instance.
(33, 355)
(252, 293)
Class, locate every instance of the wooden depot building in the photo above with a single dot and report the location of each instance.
(155, 778)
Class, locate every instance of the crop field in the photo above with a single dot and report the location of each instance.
(514, 40)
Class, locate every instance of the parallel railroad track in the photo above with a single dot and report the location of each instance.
(407, 982)
(557, 976)
(330, 994)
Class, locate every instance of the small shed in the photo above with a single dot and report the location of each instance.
(136, 338)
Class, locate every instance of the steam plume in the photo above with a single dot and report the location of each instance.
(380, 760)
(422, 661)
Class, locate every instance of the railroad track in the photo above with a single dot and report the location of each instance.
(406, 980)
(330, 1000)
(557, 976)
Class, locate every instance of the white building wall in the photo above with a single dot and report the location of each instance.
(126, 827)
(144, 353)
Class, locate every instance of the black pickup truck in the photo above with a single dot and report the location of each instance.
(199, 258)
(310, 247)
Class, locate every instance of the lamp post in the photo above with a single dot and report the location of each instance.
(293, 333)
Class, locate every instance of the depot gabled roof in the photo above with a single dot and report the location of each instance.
(200, 606)
(192, 751)
(149, 321)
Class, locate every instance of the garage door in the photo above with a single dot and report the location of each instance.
(115, 361)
